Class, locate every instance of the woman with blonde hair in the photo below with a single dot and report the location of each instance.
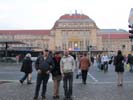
(27, 69)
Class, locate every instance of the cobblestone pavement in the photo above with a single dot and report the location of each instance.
(100, 86)
(90, 91)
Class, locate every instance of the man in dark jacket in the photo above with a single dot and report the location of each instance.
(44, 64)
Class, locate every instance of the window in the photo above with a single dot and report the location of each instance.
(64, 45)
(81, 45)
(70, 44)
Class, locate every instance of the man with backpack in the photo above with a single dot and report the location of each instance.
(44, 65)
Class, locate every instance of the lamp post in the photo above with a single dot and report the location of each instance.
(89, 47)
(131, 36)
(130, 21)
(123, 47)
(109, 44)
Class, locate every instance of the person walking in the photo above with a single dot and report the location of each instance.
(44, 65)
(98, 59)
(84, 66)
(119, 67)
(67, 66)
(130, 62)
(56, 75)
(92, 60)
(104, 63)
(27, 69)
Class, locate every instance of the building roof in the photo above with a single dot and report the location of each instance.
(35, 32)
(112, 31)
(74, 16)
(115, 36)
(11, 42)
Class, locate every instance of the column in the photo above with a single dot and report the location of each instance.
(84, 46)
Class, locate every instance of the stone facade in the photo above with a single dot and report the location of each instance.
(114, 40)
(75, 32)
(71, 31)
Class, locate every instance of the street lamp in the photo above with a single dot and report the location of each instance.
(131, 36)
(123, 47)
(89, 47)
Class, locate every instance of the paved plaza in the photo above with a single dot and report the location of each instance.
(100, 85)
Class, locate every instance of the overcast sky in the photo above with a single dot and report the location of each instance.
(42, 14)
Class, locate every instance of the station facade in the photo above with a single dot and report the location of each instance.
(76, 32)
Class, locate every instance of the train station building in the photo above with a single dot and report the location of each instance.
(76, 32)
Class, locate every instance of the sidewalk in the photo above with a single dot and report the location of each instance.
(90, 91)
(100, 86)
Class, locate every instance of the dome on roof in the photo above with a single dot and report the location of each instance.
(74, 16)
(68, 20)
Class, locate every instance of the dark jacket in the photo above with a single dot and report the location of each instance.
(119, 64)
(56, 71)
(130, 59)
(44, 65)
(26, 65)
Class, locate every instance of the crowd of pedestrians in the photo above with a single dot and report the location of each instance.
(62, 67)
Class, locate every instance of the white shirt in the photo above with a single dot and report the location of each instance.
(104, 58)
(67, 64)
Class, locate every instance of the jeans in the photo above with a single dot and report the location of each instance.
(98, 65)
(105, 66)
(41, 78)
(68, 84)
(131, 67)
(84, 75)
(24, 77)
